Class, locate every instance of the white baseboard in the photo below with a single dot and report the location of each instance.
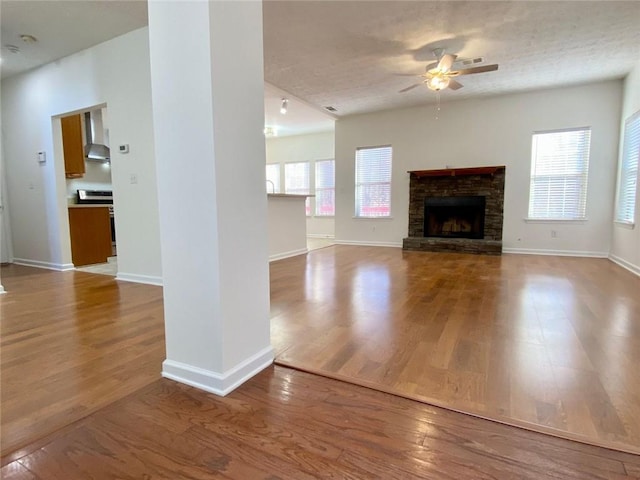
(291, 253)
(214, 382)
(368, 243)
(319, 235)
(558, 253)
(132, 277)
(2, 290)
(624, 264)
(60, 267)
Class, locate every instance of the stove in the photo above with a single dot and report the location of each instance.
(96, 197)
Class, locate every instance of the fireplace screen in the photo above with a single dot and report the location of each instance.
(457, 217)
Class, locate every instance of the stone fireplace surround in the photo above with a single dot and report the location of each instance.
(457, 182)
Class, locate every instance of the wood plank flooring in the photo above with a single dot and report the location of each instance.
(286, 424)
(550, 343)
(72, 343)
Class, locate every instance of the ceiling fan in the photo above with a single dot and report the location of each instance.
(439, 75)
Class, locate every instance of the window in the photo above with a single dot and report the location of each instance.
(296, 180)
(373, 182)
(628, 180)
(325, 188)
(559, 168)
(273, 178)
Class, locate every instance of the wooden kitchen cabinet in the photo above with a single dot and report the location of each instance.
(72, 146)
(90, 230)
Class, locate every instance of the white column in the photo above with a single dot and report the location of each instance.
(208, 112)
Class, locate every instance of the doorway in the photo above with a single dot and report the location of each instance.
(89, 191)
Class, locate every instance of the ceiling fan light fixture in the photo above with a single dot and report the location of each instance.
(438, 82)
(26, 38)
(284, 106)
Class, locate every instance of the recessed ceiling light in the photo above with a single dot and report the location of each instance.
(331, 109)
(26, 38)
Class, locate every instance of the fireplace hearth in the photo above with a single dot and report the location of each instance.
(456, 210)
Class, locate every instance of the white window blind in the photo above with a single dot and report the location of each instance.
(325, 188)
(296, 180)
(273, 178)
(628, 180)
(373, 182)
(559, 169)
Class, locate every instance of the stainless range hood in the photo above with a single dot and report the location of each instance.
(94, 149)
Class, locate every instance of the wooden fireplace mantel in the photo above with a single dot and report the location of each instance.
(457, 172)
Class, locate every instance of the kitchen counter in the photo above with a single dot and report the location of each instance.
(89, 205)
(287, 223)
(292, 195)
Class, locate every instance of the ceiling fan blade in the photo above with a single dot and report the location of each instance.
(409, 88)
(482, 69)
(432, 66)
(455, 85)
(445, 63)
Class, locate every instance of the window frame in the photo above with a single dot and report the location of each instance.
(630, 152)
(276, 187)
(316, 188)
(307, 202)
(584, 175)
(358, 184)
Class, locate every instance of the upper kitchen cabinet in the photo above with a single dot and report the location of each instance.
(72, 146)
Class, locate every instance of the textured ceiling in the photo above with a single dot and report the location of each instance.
(62, 28)
(346, 53)
(300, 118)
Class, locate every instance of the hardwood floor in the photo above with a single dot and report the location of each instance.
(286, 424)
(550, 343)
(71, 344)
(553, 340)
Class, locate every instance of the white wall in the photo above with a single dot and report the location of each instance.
(482, 132)
(625, 242)
(115, 73)
(6, 249)
(305, 148)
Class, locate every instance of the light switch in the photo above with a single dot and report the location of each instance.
(42, 157)
(133, 179)
(123, 148)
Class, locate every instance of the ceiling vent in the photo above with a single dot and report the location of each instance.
(331, 109)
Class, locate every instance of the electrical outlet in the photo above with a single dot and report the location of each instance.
(554, 234)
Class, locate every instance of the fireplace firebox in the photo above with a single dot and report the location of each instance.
(454, 217)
